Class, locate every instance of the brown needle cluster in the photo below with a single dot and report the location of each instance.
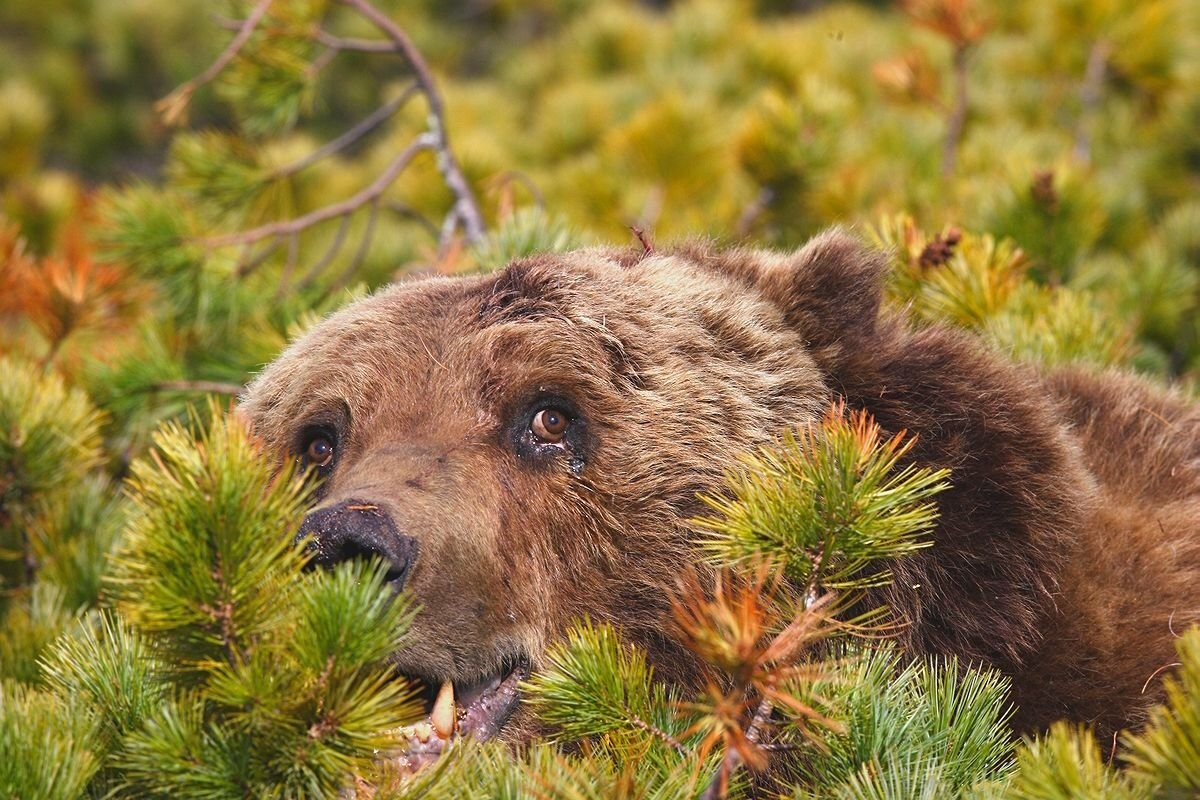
(756, 639)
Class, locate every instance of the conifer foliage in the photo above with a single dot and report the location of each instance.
(225, 669)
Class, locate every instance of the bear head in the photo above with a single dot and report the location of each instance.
(526, 448)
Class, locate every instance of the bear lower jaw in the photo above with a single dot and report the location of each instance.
(478, 711)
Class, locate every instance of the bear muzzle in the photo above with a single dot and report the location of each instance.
(354, 529)
(477, 708)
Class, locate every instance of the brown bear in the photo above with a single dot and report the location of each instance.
(526, 448)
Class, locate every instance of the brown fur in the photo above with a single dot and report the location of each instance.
(1065, 554)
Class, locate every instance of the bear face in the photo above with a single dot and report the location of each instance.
(527, 448)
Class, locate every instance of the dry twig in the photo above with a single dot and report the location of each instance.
(1089, 95)
(719, 786)
(347, 206)
(350, 137)
(173, 107)
(466, 207)
(957, 117)
(643, 240)
(959, 23)
(464, 215)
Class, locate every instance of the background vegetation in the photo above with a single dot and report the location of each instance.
(169, 218)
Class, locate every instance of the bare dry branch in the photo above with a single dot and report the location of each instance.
(754, 209)
(643, 240)
(466, 207)
(364, 244)
(503, 183)
(1089, 95)
(321, 62)
(289, 266)
(334, 246)
(350, 137)
(957, 118)
(464, 215)
(351, 204)
(253, 262)
(719, 786)
(173, 107)
(408, 212)
(356, 45)
(658, 733)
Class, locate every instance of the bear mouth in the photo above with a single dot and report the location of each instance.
(457, 709)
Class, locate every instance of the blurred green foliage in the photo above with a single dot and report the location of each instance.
(735, 120)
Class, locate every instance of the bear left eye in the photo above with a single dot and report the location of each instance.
(549, 425)
(319, 452)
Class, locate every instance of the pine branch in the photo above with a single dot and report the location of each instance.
(326, 259)
(828, 504)
(107, 663)
(960, 24)
(356, 45)
(593, 685)
(719, 786)
(463, 215)
(1167, 753)
(348, 206)
(364, 244)
(49, 745)
(350, 137)
(174, 106)
(956, 119)
(252, 262)
(208, 553)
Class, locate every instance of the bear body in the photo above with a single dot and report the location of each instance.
(536, 441)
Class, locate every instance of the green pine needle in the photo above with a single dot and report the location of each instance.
(350, 616)
(48, 745)
(592, 684)
(176, 755)
(526, 232)
(211, 545)
(29, 625)
(109, 666)
(72, 540)
(49, 441)
(935, 720)
(1065, 764)
(828, 503)
(1167, 754)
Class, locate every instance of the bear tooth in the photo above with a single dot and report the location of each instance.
(443, 711)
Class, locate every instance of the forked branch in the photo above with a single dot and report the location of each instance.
(333, 211)
(464, 215)
(173, 107)
(466, 208)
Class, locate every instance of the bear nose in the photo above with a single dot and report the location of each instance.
(358, 529)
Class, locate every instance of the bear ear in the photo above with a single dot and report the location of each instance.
(830, 290)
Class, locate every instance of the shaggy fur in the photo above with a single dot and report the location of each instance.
(1066, 554)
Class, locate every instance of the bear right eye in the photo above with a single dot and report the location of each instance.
(319, 448)
(319, 452)
(549, 425)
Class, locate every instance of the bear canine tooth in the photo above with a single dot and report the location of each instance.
(443, 711)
